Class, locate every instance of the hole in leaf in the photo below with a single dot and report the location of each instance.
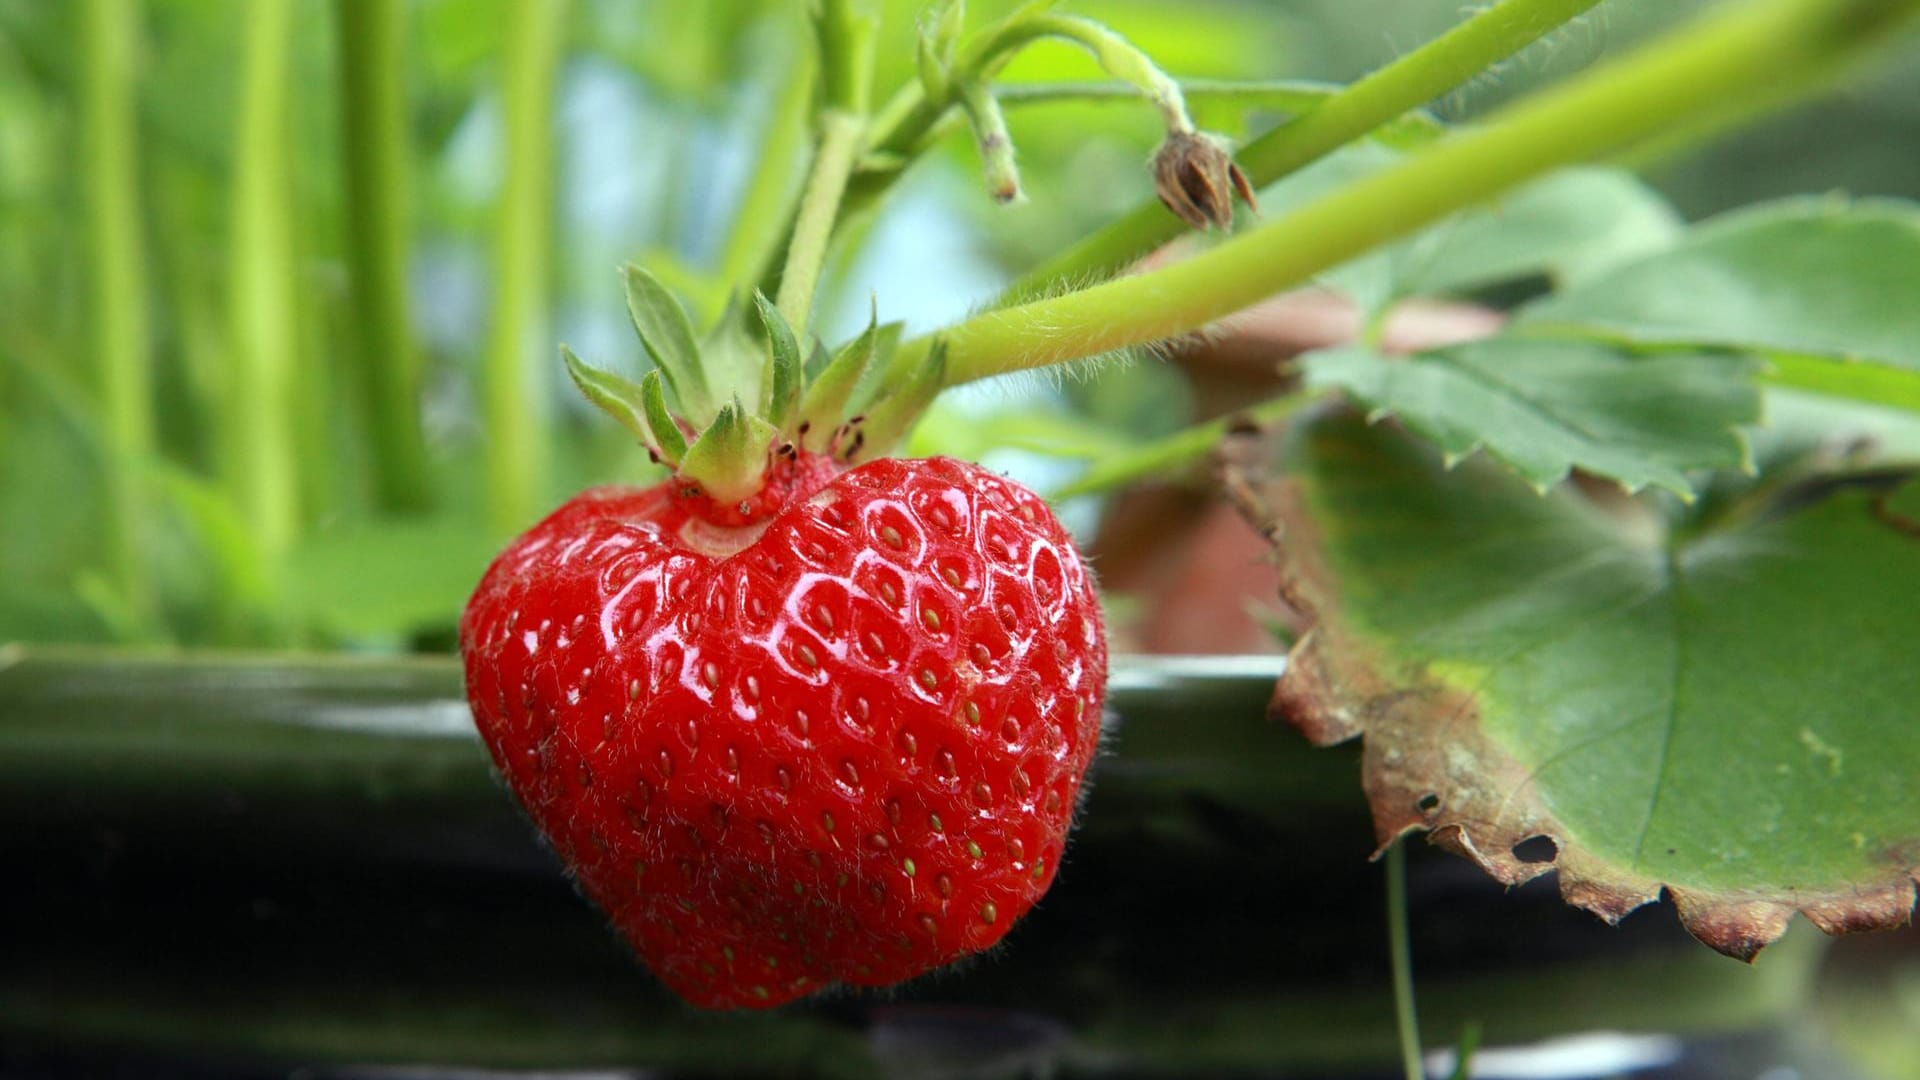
(1429, 803)
(1536, 849)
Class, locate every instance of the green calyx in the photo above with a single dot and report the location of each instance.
(690, 410)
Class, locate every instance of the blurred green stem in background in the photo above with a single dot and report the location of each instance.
(109, 34)
(258, 422)
(373, 147)
(755, 238)
(1406, 1012)
(1460, 54)
(519, 354)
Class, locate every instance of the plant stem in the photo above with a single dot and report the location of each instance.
(1405, 1014)
(1178, 450)
(259, 424)
(751, 243)
(1299, 96)
(109, 32)
(841, 137)
(994, 142)
(517, 397)
(374, 157)
(1710, 74)
(1398, 88)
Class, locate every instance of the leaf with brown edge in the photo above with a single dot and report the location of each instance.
(1721, 704)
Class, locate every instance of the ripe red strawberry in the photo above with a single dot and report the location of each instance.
(840, 743)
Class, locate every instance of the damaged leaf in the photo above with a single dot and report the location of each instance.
(1723, 706)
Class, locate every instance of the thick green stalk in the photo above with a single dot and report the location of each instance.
(519, 352)
(1708, 74)
(1406, 84)
(841, 134)
(117, 283)
(258, 424)
(373, 134)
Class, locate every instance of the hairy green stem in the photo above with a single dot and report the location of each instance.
(1405, 1014)
(109, 31)
(1394, 90)
(374, 157)
(841, 135)
(517, 396)
(1692, 80)
(259, 425)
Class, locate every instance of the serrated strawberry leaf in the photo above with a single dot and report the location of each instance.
(1723, 707)
(1807, 278)
(1544, 408)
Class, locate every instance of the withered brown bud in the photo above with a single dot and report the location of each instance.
(1195, 175)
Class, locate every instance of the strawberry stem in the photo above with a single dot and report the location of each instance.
(842, 136)
(995, 143)
(846, 86)
(1123, 60)
(1729, 65)
(1460, 54)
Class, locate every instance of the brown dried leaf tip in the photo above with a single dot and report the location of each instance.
(1195, 176)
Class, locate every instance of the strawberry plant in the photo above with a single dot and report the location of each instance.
(1611, 566)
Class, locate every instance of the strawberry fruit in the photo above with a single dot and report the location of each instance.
(792, 718)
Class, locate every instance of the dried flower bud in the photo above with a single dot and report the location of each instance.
(1196, 177)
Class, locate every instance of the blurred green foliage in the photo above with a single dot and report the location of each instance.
(659, 112)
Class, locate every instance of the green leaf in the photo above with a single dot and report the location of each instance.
(614, 395)
(667, 333)
(385, 578)
(1572, 225)
(668, 441)
(1827, 278)
(221, 530)
(825, 403)
(730, 456)
(1545, 408)
(1725, 711)
(784, 376)
(890, 417)
(1569, 227)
